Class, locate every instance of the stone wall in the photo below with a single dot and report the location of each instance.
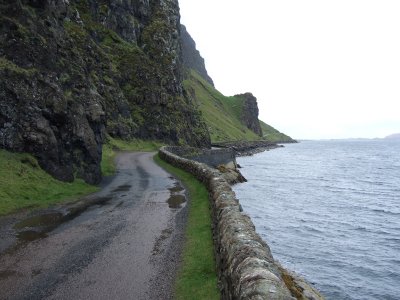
(246, 268)
(211, 157)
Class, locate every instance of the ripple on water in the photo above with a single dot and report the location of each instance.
(330, 211)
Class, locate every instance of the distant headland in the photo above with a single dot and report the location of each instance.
(393, 136)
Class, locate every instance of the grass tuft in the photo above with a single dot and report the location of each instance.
(197, 277)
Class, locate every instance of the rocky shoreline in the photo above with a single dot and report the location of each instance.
(249, 148)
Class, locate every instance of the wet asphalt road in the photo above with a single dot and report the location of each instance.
(127, 246)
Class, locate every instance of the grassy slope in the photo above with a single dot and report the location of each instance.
(273, 135)
(23, 184)
(197, 278)
(222, 114)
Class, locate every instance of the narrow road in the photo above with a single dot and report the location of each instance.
(127, 246)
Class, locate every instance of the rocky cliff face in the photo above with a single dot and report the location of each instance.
(191, 56)
(74, 70)
(249, 114)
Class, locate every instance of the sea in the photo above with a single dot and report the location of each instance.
(330, 211)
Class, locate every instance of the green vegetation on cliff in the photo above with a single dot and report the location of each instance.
(221, 113)
(23, 184)
(74, 71)
(197, 277)
(224, 115)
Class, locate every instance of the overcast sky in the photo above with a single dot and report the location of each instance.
(320, 69)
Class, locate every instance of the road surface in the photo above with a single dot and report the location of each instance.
(127, 246)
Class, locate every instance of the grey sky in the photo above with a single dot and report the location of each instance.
(320, 69)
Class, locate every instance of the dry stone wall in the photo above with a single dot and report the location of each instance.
(246, 268)
(211, 157)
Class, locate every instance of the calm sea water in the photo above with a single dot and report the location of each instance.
(330, 211)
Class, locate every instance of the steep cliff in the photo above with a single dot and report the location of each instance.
(74, 70)
(191, 56)
(249, 113)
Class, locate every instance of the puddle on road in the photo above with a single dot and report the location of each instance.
(122, 188)
(177, 188)
(49, 219)
(37, 227)
(102, 201)
(176, 201)
(177, 198)
(30, 235)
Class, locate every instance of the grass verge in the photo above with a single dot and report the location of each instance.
(23, 184)
(197, 277)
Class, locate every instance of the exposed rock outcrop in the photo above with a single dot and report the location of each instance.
(249, 114)
(191, 56)
(247, 148)
(73, 70)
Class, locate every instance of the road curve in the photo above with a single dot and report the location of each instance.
(127, 246)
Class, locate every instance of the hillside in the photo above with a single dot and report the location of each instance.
(74, 71)
(82, 78)
(229, 118)
(221, 114)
